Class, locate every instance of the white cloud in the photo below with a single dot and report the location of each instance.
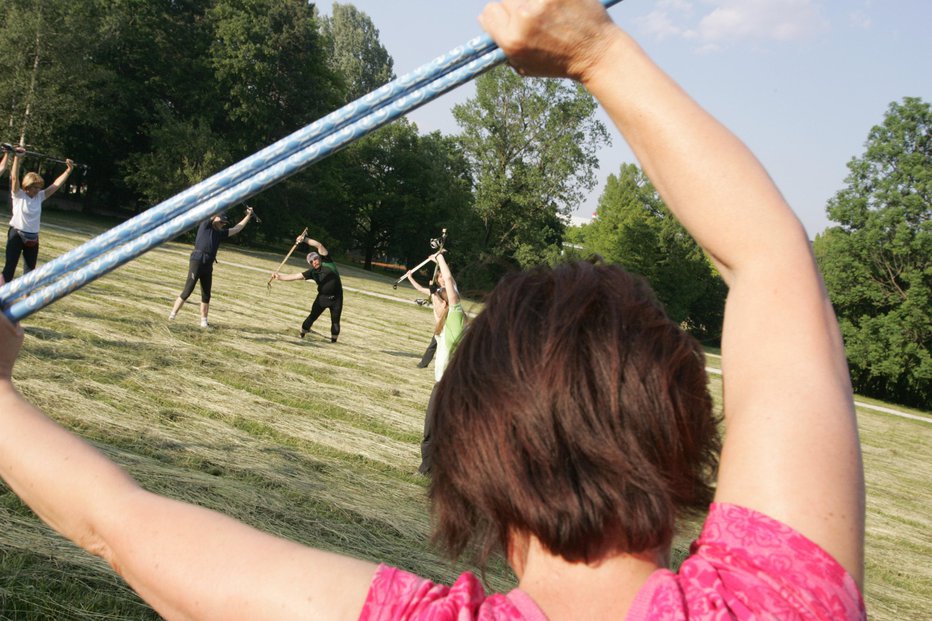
(662, 22)
(859, 17)
(718, 23)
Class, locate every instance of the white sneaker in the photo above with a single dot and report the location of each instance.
(171, 316)
(204, 322)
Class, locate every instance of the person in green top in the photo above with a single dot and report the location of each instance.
(323, 271)
(433, 292)
(451, 321)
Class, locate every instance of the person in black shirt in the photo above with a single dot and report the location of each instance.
(201, 266)
(323, 271)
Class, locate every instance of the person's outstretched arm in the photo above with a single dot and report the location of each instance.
(791, 448)
(5, 160)
(60, 180)
(416, 284)
(186, 561)
(449, 284)
(14, 173)
(287, 277)
(233, 230)
(321, 249)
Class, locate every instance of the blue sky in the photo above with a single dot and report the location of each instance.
(800, 81)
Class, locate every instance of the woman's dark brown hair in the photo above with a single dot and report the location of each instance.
(575, 410)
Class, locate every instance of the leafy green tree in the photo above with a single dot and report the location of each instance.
(439, 196)
(269, 62)
(149, 62)
(532, 145)
(877, 262)
(402, 189)
(356, 53)
(46, 81)
(635, 229)
(184, 152)
(377, 174)
(269, 68)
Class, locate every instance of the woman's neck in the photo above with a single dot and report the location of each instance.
(603, 589)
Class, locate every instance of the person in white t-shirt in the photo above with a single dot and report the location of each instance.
(28, 196)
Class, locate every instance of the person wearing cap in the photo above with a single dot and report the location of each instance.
(324, 272)
(201, 265)
(27, 198)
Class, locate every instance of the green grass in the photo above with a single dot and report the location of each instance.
(312, 441)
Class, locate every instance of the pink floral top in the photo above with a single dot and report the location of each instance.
(744, 565)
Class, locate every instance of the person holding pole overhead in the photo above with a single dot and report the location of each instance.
(575, 425)
(433, 292)
(324, 272)
(450, 324)
(201, 264)
(27, 198)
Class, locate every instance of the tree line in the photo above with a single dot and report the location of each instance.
(156, 95)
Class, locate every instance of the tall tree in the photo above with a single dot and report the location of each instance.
(154, 79)
(380, 166)
(269, 63)
(47, 76)
(402, 189)
(357, 55)
(439, 195)
(877, 262)
(634, 228)
(262, 74)
(532, 145)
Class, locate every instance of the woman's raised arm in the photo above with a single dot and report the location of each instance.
(186, 561)
(791, 448)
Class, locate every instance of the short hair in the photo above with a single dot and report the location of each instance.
(575, 410)
(31, 179)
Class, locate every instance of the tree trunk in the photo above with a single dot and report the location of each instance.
(33, 79)
(367, 264)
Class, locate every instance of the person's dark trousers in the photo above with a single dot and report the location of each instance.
(426, 445)
(14, 248)
(428, 353)
(335, 304)
(199, 271)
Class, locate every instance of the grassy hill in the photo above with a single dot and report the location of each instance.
(314, 441)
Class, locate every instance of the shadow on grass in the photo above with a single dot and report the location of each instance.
(44, 334)
(401, 354)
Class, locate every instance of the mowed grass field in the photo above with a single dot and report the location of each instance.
(313, 441)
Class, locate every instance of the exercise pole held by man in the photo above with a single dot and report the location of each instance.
(324, 272)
